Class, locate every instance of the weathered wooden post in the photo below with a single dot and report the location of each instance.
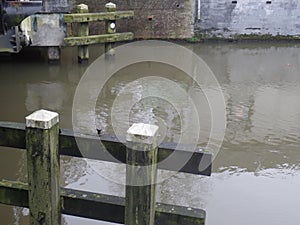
(42, 133)
(83, 30)
(141, 173)
(110, 25)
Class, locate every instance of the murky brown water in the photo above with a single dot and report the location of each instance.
(256, 175)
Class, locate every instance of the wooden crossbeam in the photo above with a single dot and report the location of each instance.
(100, 206)
(93, 17)
(96, 39)
(109, 148)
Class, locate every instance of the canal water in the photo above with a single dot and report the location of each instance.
(256, 174)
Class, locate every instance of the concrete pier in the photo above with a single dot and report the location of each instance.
(55, 6)
(60, 6)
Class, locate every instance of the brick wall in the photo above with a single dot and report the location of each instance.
(153, 18)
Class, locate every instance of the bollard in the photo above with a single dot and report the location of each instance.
(42, 131)
(141, 174)
(83, 30)
(110, 25)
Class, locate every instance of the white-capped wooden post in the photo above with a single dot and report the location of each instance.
(83, 31)
(110, 25)
(141, 174)
(42, 132)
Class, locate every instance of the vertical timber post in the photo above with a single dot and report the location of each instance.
(42, 131)
(83, 30)
(110, 25)
(141, 174)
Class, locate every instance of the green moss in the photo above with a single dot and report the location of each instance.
(194, 39)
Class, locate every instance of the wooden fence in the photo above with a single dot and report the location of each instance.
(44, 142)
(83, 39)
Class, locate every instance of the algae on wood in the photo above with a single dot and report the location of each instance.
(93, 17)
(42, 134)
(141, 174)
(97, 39)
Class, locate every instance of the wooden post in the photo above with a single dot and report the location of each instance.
(83, 30)
(42, 133)
(141, 173)
(110, 26)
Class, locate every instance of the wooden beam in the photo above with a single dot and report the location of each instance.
(93, 17)
(100, 206)
(14, 193)
(12, 135)
(111, 148)
(174, 215)
(96, 39)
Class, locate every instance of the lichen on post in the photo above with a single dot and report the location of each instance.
(83, 31)
(42, 132)
(141, 174)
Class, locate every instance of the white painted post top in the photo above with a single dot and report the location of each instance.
(42, 119)
(82, 7)
(110, 5)
(142, 133)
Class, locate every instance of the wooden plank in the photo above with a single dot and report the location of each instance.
(96, 39)
(42, 133)
(111, 148)
(93, 17)
(175, 215)
(13, 193)
(12, 135)
(93, 205)
(100, 206)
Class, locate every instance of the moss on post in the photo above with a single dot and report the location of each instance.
(141, 173)
(83, 31)
(42, 134)
(110, 26)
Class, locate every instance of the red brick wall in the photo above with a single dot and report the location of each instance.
(153, 18)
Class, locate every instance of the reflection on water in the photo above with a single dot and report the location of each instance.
(256, 173)
(152, 97)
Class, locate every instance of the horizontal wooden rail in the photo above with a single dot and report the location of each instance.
(111, 148)
(96, 39)
(99, 206)
(93, 17)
